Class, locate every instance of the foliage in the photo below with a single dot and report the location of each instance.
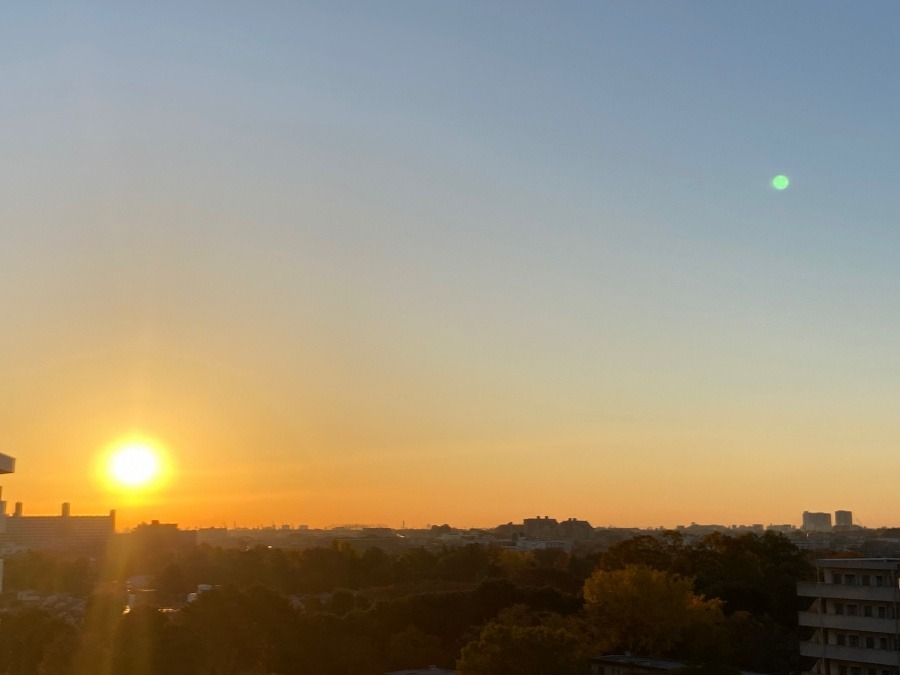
(520, 642)
(28, 640)
(725, 602)
(649, 611)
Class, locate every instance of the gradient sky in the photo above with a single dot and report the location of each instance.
(453, 262)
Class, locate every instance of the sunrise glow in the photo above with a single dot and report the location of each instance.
(134, 465)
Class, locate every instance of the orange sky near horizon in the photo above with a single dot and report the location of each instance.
(443, 262)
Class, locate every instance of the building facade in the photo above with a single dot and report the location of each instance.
(854, 616)
(815, 521)
(64, 531)
(843, 518)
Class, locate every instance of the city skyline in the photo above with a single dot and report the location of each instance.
(451, 263)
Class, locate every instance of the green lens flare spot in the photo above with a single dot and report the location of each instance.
(780, 182)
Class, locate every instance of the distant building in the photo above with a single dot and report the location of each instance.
(541, 527)
(814, 521)
(843, 518)
(66, 531)
(157, 535)
(54, 532)
(854, 614)
(572, 528)
(523, 544)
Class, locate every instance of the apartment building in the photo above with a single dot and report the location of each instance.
(854, 616)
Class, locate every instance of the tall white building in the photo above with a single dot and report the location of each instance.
(855, 614)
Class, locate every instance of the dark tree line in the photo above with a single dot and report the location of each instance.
(729, 602)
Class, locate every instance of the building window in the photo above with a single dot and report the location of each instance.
(882, 612)
(855, 670)
(853, 640)
(841, 640)
(852, 610)
(866, 582)
(849, 579)
(882, 643)
(838, 608)
(867, 610)
(870, 643)
(879, 580)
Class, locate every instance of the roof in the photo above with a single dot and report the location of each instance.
(7, 464)
(859, 563)
(638, 661)
(647, 663)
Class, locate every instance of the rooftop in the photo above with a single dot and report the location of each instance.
(860, 563)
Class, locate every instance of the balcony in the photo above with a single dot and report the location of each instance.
(876, 657)
(867, 624)
(811, 589)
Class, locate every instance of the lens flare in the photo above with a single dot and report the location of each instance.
(781, 182)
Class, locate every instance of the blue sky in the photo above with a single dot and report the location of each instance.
(358, 241)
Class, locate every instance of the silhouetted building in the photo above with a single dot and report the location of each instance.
(162, 536)
(541, 527)
(47, 532)
(843, 518)
(572, 528)
(814, 521)
(854, 612)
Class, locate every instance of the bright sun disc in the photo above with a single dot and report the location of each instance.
(134, 465)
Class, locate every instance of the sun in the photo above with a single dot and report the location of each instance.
(134, 465)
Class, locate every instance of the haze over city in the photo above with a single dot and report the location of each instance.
(451, 263)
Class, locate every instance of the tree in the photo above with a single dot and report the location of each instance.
(752, 573)
(665, 552)
(412, 647)
(649, 611)
(526, 644)
(27, 636)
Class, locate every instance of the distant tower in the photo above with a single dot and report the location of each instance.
(843, 518)
(816, 521)
(7, 465)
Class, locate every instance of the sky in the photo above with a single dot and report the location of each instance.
(469, 262)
